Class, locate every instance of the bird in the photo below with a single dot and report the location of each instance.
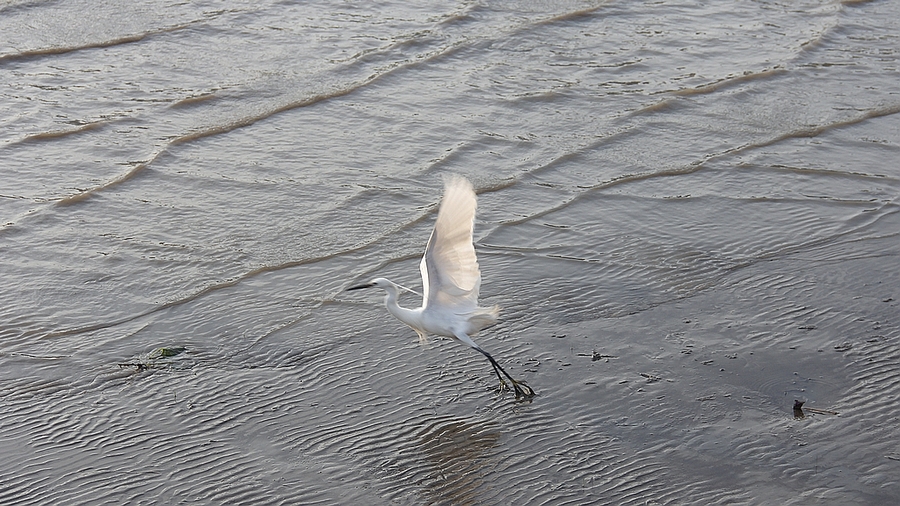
(451, 280)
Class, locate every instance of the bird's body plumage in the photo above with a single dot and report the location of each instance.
(451, 280)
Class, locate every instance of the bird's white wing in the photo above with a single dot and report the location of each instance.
(449, 268)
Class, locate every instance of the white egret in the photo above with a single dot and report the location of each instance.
(451, 279)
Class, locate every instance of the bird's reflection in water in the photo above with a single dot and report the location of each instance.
(460, 454)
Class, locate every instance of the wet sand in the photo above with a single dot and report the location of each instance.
(687, 399)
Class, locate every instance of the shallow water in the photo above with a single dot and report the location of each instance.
(688, 213)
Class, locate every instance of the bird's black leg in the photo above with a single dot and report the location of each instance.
(500, 377)
(519, 387)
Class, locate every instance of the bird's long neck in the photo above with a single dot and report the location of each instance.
(410, 317)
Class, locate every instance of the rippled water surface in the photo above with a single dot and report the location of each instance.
(687, 211)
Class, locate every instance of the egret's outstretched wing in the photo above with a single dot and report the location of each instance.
(449, 268)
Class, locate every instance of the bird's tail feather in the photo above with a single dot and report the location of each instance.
(484, 317)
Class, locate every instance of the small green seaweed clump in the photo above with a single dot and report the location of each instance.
(153, 359)
(165, 352)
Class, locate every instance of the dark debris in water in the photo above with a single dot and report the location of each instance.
(651, 378)
(595, 356)
(799, 410)
(138, 366)
(155, 359)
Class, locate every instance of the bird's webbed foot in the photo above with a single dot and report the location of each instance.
(523, 391)
(503, 387)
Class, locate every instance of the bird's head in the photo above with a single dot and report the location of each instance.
(375, 283)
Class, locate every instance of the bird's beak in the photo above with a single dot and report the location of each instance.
(367, 285)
